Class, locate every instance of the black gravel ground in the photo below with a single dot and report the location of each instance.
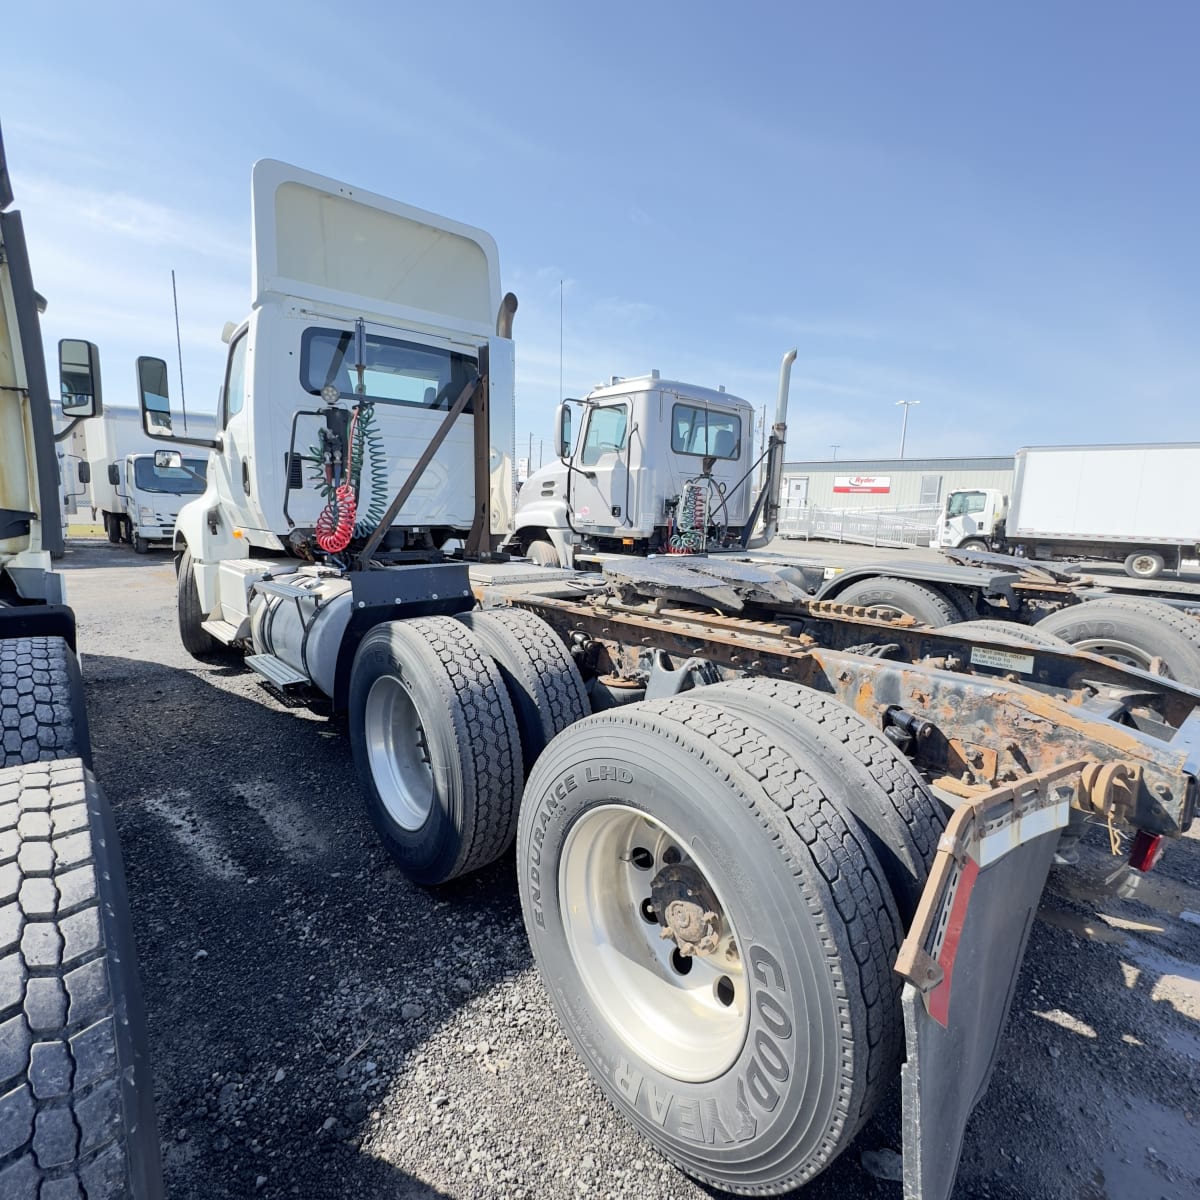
(322, 1028)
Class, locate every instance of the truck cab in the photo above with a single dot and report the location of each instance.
(971, 519)
(656, 465)
(151, 495)
(369, 320)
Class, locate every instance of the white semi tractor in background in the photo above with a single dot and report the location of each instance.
(136, 500)
(654, 466)
(743, 817)
(1139, 505)
(661, 467)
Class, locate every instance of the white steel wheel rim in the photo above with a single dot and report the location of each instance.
(1119, 651)
(691, 1026)
(1144, 564)
(398, 753)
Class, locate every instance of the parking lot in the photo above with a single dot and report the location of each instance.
(320, 1027)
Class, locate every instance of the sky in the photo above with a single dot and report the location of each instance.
(990, 210)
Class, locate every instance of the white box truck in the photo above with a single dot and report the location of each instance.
(136, 501)
(1134, 504)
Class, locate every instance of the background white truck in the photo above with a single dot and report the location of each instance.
(656, 466)
(1139, 505)
(136, 501)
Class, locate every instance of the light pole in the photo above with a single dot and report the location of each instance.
(904, 427)
(834, 447)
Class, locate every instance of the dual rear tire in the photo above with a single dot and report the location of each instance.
(751, 1049)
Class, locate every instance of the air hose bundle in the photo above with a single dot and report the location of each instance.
(691, 521)
(335, 525)
(339, 482)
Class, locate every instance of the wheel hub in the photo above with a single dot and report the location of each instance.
(687, 909)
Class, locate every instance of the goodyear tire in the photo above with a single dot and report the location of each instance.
(1132, 631)
(872, 783)
(543, 683)
(927, 604)
(436, 745)
(76, 1096)
(1008, 631)
(753, 1067)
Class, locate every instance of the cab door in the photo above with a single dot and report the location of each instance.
(599, 483)
(233, 475)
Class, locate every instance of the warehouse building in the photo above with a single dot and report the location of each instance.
(889, 483)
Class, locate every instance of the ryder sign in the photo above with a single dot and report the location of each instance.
(862, 483)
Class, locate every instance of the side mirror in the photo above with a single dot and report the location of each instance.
(85, 471)
(562, 429)
(79, 378)
(166, 459)
(114, 474)
(154, 397)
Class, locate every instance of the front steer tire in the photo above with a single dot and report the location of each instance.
(76, 1095)
(436, 745)
(808, 909)
(197, 641)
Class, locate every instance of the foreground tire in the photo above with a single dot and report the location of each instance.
(140, 545)
(1136, 632)
(926, 604)
(1145, 564)
(855, 766)
(196, 641)
(1009, 631)
(752, 1064)
(76, 1095)
(974, 544)
(543, 553)
(112, 527)
(543, 683)
(437, 748)
(42, 713)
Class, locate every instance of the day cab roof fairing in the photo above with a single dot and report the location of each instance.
(317, 239)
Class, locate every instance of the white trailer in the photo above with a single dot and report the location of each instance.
(137, 501)
(1139, 505)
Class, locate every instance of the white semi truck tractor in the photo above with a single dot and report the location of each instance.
(744, 819)
(76, 1096)
(652, 466)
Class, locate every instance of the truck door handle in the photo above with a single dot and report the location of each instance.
(245, 477)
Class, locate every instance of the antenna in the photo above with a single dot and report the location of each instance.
(179, 348)
(560, 341)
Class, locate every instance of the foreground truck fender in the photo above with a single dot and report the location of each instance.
(76, 1096)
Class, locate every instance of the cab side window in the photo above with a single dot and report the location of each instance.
(235, 380)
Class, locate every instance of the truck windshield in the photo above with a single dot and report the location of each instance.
(699, 431)
(960, 503)
(149, 478)
(397, 372)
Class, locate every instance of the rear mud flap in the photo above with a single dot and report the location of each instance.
(961, 960)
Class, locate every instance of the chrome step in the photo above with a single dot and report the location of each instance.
(275, 670)
(224, 631)
(287, 591)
